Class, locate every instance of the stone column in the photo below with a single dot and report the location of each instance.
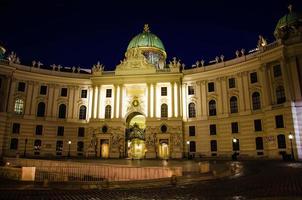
(90, 102)
(172, 98)
(76, 98)
(264, 86)
(121, 101)
(219, 97)
(51, 89)
(29, 99)
(70, 102)
(288, 89)
(54, 100)
(241, 92)
(185, 104)
(94, 102)
(204, 102)
(34, 96)
(11, 100)
(115, 101)
(99, 103)
(246, 91)
(224, 97)
(198, 97)
(154, 100)
(149, 99)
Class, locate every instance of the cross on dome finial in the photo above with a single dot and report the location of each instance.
(290, 8)
(146, 28)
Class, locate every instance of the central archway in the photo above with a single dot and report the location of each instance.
(135, 135)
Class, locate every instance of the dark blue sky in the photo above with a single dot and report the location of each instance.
(82, 32)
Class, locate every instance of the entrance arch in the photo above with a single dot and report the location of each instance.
(135, 135)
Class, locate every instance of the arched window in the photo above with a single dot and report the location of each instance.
(192, 111)
(108, 112)
(82, 113)
(212, 108)
(280, 94)
(164, 110)
(14, 144)
(41, 109)
(259, 143)
(62, 111)
(233, 104)
(19, 106)
(281, 141)
(256, 101)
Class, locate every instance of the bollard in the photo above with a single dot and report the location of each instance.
(173, 180)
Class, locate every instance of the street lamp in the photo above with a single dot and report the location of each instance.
(234, 156)
(291, 137)
(188, 143)
(69, 143)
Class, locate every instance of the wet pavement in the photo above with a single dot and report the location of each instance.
(258, 180)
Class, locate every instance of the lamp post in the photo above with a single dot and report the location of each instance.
(188, 144)
(69, 143)
(25, 147)
(291, 137)
(234, 156)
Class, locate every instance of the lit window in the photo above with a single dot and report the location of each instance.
(256, 101)
(108, 93)
(82, 113)
(164, 91)
(164, 110)
(233, 105)
(19, 106)
(108, 112)
(212, 108)
(192, 111)
(253, 77)
(191, 90)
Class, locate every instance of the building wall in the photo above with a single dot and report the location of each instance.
(147, 89)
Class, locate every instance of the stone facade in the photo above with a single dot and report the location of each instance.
(249, 105)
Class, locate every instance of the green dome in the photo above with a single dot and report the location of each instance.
(292, 18)
(146, 39)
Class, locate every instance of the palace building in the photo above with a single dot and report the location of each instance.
(149, 107)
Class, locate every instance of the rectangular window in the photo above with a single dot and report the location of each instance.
(59, 147)
(108, 93)
(39, 130)
(211, 87)
(14, 144)
(43, 90)
(16, 128)
(253, 77)
(232, 83)
(191, 130)
(277, 70)
(259, 143)
(257, 125)
(81, 132)
(63, 92)
(213, 145)
(164, 91)
(212, 129)
(84, 94)
(21, 86)
(279, 121)
(235, 127)
(192, 146)
(190, 90)
(60, 131)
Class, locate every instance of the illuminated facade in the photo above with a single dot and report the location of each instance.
(150, 108)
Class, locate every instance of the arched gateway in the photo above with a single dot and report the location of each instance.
(135, 136)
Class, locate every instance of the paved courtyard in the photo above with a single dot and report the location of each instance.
(258, 180)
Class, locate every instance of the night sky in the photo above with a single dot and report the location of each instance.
(79, 33)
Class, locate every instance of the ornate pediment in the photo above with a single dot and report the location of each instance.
(134, 63)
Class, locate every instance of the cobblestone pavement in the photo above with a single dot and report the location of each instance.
(260, 180)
